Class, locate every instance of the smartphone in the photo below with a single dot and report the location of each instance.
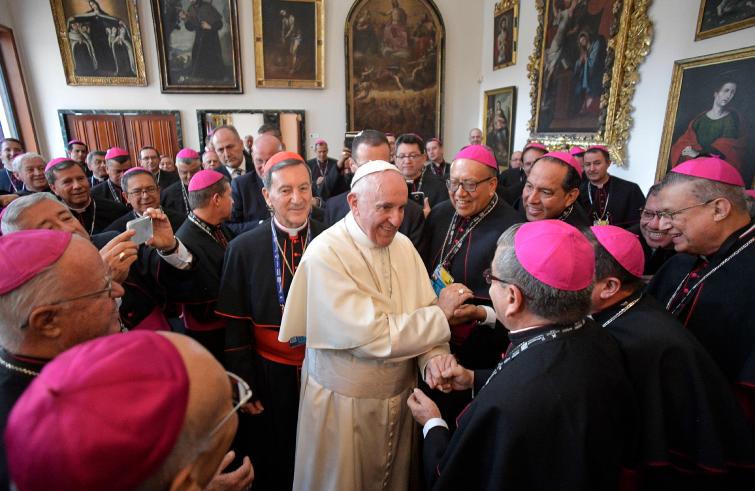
(348, 138)
(418, 197)
(143, 227)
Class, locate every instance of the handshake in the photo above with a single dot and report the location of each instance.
(444, 373)
(451, 302)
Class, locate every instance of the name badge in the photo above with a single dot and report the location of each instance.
(440, 279)
(297, 341)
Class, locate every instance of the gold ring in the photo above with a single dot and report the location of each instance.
(121, 256)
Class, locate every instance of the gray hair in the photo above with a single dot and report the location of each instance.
(267, 179)
(95, 153)
(13, 211)
(20, 160)
(559, 306)
(707, 190)
(17, 305)
(189, 445)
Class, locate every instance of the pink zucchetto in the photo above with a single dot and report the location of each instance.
(103, 415)
(566, 158)
(555, 253)
(204, 179)
(575, 150)
(76, 142)
(24, 254)
(188, 154)
(320, 141)
(478, 153)
(711, 168)
(55, 162)
(622, 245)
(136, 170)
(115, 152)
(536, 145)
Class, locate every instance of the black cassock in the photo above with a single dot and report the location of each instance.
(556, 417)
(433, 186)
(208, 245)
(714, 297)
(98, 215)
(164, 179)
(476, 346)
(249, 298)
(622, 205)
(654, 258)
(111, 192)
(511, 184)
(176, 198)
(691, 430)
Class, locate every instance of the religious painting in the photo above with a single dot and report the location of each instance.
(198, 45)
(711, 111)
(718, 17)
(100, 42)
(498, 126)
(289, 43)
(583, 71)
(505, 33)
(394, 67)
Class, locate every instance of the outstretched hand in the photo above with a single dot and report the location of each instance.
(422, 407)
(238, 480)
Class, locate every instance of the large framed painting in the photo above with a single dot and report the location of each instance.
(711, 110)
(505, 33)
(498, 126)
(289, 43)
(100, 42)
(198, 45)
(583, 71)
(394, 67)
(721, 16)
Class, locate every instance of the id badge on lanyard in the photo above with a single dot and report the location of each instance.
(440, 279)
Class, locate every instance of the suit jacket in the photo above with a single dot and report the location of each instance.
(249, 207)
(333, 183)
(7, 180)
(625, 199)
(413, 225)
(434, 188)
(165, 179)
(173, 198)
(511, 184)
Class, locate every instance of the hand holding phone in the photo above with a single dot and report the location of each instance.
(143, 228)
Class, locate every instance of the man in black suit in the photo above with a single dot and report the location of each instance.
(229, 147)
(326, 179)
(606, 198)
(176, 196)
(373, 145)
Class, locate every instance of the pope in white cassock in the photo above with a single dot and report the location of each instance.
(362, 298)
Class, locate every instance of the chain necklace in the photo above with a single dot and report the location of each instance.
(446, 258)
(608, 197)
(203, 227)
(622, 311)
(115, 195)
(25, 371)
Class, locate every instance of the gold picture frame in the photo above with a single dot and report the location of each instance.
(711, 23)
(505, 33)
(499, 114)
(294, 58)
(622, 28)
(694, 83)
(101, 45)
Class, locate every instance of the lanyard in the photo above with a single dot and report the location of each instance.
(203, 226)
(186, 198)
(447, 258)
(277, 262)
(551, 335)
(418, 187)
(622, 311)
(117, 198)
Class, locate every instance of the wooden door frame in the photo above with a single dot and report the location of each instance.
(17, 94)
(62, 113)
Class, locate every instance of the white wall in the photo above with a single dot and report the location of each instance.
(674, 33)
(325, 109)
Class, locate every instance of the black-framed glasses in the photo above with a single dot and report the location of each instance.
(108, 289)
(490, 277)
(468, 186)
(139, 192)
(241, 393)
(670, 215)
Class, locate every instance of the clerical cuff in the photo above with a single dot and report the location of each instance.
(181, 258)
(432, 423)
(490, 317)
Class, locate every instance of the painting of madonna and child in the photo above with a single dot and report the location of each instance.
(710, 111)
(572, 65)
(394, 66)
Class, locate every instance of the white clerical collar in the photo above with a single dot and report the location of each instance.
(292, 232)
(81, 210)
(357, 233)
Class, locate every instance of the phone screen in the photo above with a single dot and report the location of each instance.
(143, 228)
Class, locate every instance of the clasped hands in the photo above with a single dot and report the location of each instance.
(444, 373)
(451, 302)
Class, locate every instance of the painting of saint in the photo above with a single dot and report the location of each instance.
(717, 17)
(289, 37)
(505, 33)
(573, 65)
(394, 66)
(198, 45)
(499, 122)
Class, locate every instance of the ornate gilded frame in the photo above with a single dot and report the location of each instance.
(677, 82)
(264, 80)
(502, 8)
(163, 52)
(631, 35)
(61, 28)
(734, 26)
(511, 118)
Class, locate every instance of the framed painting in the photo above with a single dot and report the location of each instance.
(198, 45)
(583, 71)
(505, 33)
(498, 126)
(710, 111)
(289, 43)
(100, 42)
(394, 67)
(721, 16)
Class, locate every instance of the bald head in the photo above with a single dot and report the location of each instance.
(229, 146)
(264, 147)
(475, 136)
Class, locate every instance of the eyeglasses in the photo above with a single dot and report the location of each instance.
(412, 156)
(148, 190)
(108, 289)
(468, 186)
(241, 393)
(670, 215)
(490, 277)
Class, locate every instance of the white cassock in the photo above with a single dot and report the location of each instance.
(370, 318)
